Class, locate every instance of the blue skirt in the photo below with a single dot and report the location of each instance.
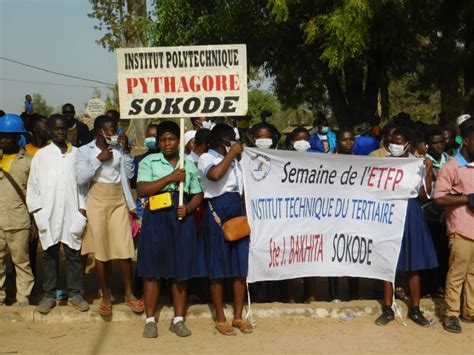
(169, 248)
(224, 259)
(417, 251)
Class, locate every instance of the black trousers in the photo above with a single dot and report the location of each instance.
(353, 288)
(75, 276)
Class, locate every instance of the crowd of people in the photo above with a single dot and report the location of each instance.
(66, 185)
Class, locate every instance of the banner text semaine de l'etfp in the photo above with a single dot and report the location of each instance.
(325, 215)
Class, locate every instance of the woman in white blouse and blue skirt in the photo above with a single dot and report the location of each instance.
(222, 183)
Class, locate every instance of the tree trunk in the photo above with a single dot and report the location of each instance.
(449, 64)
(372, 88)
(448, 80)
(137, 129)
(468, 61)
(354, 78)
(384, 98)
(337, 97)
(355, 105)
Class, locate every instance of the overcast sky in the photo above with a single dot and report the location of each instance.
(55, 35)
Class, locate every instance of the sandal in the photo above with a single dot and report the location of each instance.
(244, 326)
(105, 309)
(225, 329)
(136, 306)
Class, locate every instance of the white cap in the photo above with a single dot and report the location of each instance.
(463, 118)
(188, 136)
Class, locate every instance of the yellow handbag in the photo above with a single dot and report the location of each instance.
(161, 201)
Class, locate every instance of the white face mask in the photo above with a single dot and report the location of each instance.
(397, 150)
(207, 124)
(264, 143)
(227, 148)
(301, 146)
(112, 140)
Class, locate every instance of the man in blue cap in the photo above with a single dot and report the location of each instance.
(14, 217)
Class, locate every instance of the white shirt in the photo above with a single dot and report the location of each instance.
(52, 189)
(232, 181)
(193, 158)
(109, 170)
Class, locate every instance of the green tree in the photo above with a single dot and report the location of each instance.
(260, 101)
(339, 53)
(41, 106)
(112, 99)
(421, 103)
(317, 50)
(125, 23)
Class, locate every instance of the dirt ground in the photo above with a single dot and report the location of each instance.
(283, 335)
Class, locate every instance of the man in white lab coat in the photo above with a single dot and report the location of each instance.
(59, 212)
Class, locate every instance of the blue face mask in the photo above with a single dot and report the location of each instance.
(22, 141)
(324, 130)
(150, 142)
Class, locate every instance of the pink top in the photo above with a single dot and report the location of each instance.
(456, 178)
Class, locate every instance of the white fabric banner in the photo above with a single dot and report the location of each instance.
(326, 215)
(182, 81)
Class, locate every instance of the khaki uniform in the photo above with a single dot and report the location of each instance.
(382, 152)
(14, 228)
(460, 278)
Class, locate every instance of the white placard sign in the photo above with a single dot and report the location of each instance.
(326, 215)
(95, 107)
(182, 81)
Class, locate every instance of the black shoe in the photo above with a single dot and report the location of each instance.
(439, 292)
(452, 324)
(417, 316)
(386, 316)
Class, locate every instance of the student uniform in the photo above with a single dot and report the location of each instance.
(167, 247)
(417, 250)
(224, 259)
(108, 233)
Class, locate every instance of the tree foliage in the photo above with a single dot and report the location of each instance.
(344, 54)
(260, 101)
(41, 106)
(124, 22)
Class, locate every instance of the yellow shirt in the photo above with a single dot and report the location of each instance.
(72, 135)
(31, 149)
(7, 162)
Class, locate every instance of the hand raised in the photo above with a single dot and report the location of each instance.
(105, 155)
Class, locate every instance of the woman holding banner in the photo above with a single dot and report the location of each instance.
(222, 182)
(417, 251)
